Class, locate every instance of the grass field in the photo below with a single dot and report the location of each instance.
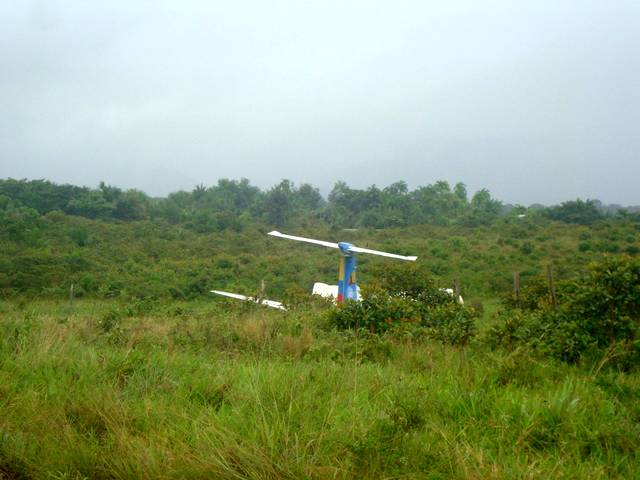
(210, 390)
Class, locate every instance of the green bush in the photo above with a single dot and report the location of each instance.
(595, 315)
(526, 248)
(450, 323)
(632, 250)
(139, 307)
(607, 303)
(110, 320)
(584, 246)
(407, 301)
(609, 247)
(377, 312)
(532, 296)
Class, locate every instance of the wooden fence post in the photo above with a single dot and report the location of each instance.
(71, 299)
(262, 289)
(552, 290)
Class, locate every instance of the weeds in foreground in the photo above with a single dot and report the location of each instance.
(255, 394)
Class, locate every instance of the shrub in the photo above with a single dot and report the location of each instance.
(139, 307)
(584, 246)
(632, 250)
(526, 248)
(297, 297)
(110, 320)
(408, 279)
(607, 303)
(549, 332)
(377, 312)
(451, 323)
(80, 236)
(533, 296)
(596, 314)
(408, 299)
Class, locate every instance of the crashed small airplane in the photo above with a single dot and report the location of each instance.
(346, 287)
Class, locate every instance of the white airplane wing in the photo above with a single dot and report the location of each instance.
(268, 303)
(383, 254)
(303, 239)
(352, 248)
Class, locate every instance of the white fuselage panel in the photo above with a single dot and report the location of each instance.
(324, 290)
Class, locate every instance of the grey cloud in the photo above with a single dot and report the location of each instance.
(536, 101)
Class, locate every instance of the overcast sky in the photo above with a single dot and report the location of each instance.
(537, 101)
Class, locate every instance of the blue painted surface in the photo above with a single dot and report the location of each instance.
(345, 248)
(347, 288)
(350, 288)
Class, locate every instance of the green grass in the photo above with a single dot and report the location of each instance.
(153, 259)
(191, 390)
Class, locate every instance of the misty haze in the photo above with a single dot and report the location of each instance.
(537, 103)
(319, 240)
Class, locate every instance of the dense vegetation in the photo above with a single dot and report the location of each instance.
(187, 390)
(236, 204)
(115, 362)
(107, 242)
(586, 316)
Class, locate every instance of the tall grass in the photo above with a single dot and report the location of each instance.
(188, 391)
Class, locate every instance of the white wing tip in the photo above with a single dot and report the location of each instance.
(268, 303)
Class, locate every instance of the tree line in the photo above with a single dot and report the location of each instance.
(233, 204)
